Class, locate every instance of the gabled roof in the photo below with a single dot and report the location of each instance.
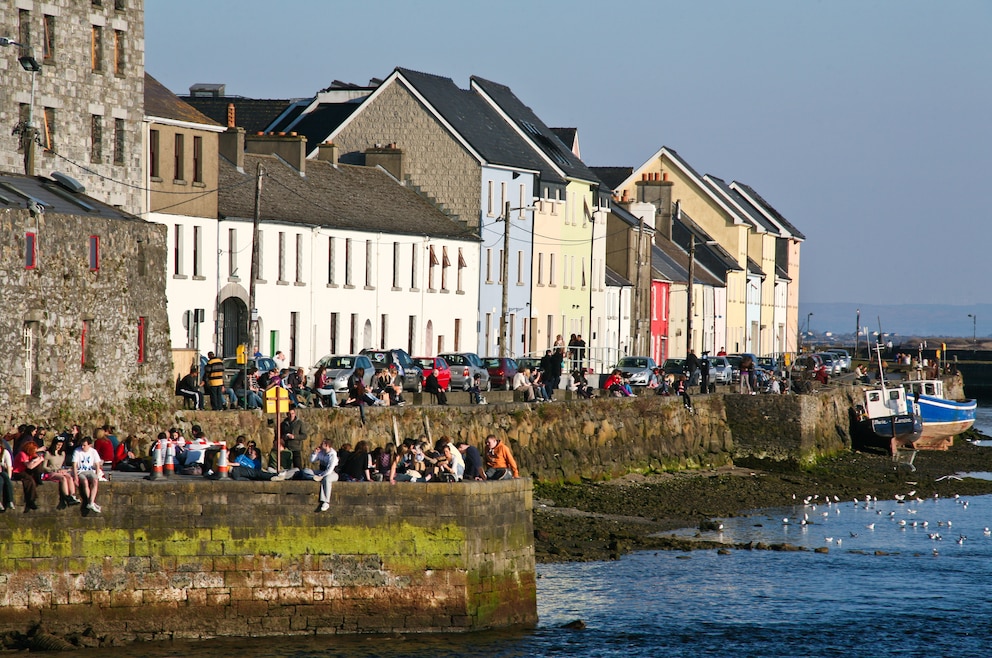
(747, 210)
(613, 177)
(534, 130)
(570, 138)
(670, 263)
(683, 225)
(625, 215)
(754, 268)
(616, 281)
(163, 104)
(343, 197)
(20, 191)
(252, 114)
(747, 192)
(469, 119)
(320, 122)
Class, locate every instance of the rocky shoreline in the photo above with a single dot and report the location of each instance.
(605, 520)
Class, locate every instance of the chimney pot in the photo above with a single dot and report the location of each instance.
(644, 177)
(664, 175)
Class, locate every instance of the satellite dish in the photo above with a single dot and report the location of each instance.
(68, 182)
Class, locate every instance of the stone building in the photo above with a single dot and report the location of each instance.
(85, 100)
(84, 325)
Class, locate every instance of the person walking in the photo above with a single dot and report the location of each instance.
(704, 373)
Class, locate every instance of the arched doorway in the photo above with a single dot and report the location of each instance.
(367, 335)
(233, 321)
(429, 339)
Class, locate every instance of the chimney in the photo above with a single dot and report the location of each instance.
(290, 147)
(329, 151)
(656, 189)
(388, 156)
(231, 145)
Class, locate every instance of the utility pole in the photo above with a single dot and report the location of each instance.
(252, 311)
(688, 293)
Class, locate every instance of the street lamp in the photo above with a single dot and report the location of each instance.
(974, 330)
(505, 275)
(808, 331)
(31, 65)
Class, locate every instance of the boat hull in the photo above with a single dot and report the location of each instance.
(942, 420)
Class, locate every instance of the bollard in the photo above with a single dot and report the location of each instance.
(156, 462)
(170, 459)
(222, 465)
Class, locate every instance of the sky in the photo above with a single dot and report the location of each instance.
(865, 123)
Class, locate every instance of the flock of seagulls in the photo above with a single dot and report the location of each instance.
(810, 504)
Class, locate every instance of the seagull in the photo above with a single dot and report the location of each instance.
(826, 514)
(936, 495)
(925, 524)
(935, 553)
(961, 539)
(912, 493)
(911, 511)
(853, 535)
(838, 541)
(836, 499)
(892, 514)
(987, 532)
(829, 539)
(870, 526)
(948, 524)
(956, 496)
(785, 521)
(900, 497)
(902, 522)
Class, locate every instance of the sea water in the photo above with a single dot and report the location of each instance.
(884, 588)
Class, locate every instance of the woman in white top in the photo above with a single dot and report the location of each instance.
(86, 468)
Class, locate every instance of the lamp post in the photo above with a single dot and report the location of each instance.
(808, 331)
(974, 330)
(505, 276)
(31, 65)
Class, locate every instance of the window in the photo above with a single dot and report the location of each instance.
(430, 268)
(197, 159)
(299, 258)
(153, 154)
(414, 278)
(49, 45)
(232, 253)
(489, 200)
(499, 280)
(118, 141)
(334, 333)
(502, 196)
(540, 268)
(330, 265)
(49, 129)
(458, 334)
(30, 251)
(583, 272)
(489, 265)
(120, 5)
(551, 269)
(383, 330)
(461, 268)
(396, 265)
(118, 52)
(94, 253)
(96, 49)
(282, 257)
(177, 250)
(24, 29)
(197, 251)
(445, 264)
(520, 268)
(85, 358)
(347, 261)
(178, 157)
(141, 340)
(368, 263)
(96, 138)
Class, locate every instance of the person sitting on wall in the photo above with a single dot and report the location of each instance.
(615, 385)
(474, 470)
(521, 382)
(189, 388)
(402, 468)
(358, 468)
(57, 470)
(500, 464)
(104, 448)
(395, 391)
(682, 388)
(325, 459)
(475, 390)
(432, 385)
(581, 385)
(27, 467)
(87, 469)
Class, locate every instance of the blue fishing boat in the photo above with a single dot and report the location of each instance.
(942, 418)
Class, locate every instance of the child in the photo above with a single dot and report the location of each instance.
(475, 391)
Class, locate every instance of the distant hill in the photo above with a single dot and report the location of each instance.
(900, 319)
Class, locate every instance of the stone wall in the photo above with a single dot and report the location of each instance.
(196, 559)
(46, 379)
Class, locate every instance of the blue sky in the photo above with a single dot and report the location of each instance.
(865, 123)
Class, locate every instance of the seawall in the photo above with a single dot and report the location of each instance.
(201, 558)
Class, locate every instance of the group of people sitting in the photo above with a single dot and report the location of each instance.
(77, 463)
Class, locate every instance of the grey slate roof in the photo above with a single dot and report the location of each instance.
(536, 130)
(343, 197)
(753, 213)
(771, 210)
(754, 268)
(252, 114)
(671, 263)
(683, 225)
(568, 136)
(624, 215)
(612, 176)
(14, 188)
(615, 280)
(478, 123)
(319, 123)
(162, 103)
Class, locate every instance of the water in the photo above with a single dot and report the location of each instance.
(848, 602)
(983, 421)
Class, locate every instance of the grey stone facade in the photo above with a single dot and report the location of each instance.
(432, 159)
(70, 333)
(69, 93)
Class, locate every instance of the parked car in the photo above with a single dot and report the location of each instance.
(721, 372)
(339, 368)
(532, 362)
(232, 367)
(464, 367)
(640, 369)
(439, 366)
(413, 377)
(831, 362)
(735, 362)
(674, 366)
(502, 370)
(845, 358)
(810, 366)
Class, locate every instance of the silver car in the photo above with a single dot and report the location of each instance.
(464, 367)
(640, 369)
(844, 356)
(340, 368)
(721, 372)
